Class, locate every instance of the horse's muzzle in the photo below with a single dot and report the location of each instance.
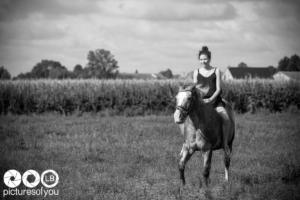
(178, 117)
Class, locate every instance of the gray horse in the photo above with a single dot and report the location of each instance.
(201, 127)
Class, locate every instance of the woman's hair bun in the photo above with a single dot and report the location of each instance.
(204, 48)
(205, 51)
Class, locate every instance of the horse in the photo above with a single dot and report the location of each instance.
(201, 126)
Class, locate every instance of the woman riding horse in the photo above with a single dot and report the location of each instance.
(208, 80)
(206, 121)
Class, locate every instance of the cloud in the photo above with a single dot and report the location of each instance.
(278, 9)
(33, 28)
(168, 10)
(144, 35)
(11, 10)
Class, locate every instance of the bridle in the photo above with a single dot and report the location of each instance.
(185, 111)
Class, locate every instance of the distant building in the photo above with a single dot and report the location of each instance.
(141, 76)
(158, 76)
(248, 73)
(287, 76)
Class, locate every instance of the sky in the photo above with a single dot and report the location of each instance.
(148, 35)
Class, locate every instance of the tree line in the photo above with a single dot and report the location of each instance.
(102, 65)
(289, 64)
(284, 64)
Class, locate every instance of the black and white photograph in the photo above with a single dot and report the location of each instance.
(149, 99)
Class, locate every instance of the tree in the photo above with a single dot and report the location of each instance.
(167, 73)
(49, 69)
(289, 64)
(242, 65)
(4, 74)
(294, 64)
(283, 64)
(46, 69)
(78, 71)
(101, 64)
(58, 73)
(26, 75)
(78, 68)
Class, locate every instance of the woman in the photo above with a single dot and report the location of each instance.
(208, 80)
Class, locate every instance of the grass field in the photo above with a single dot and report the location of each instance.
(136, 158)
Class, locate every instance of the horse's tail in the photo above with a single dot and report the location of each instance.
(228, 108)
(226, 104)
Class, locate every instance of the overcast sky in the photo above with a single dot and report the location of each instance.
(148, 35)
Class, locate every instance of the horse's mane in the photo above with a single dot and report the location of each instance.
(196, 92)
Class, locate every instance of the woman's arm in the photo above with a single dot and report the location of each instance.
(195, 76)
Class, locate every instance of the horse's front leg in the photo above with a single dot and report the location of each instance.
(185, 155)
(227, 155)
(207, 164)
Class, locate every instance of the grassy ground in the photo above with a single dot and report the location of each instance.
(136, 158)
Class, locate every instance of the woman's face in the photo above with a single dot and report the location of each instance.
(204, 60)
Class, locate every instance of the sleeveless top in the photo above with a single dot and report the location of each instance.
(208, 86)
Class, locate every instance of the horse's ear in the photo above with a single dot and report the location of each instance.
(193, 89)
(193, 86)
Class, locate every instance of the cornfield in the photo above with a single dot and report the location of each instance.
(135, 97)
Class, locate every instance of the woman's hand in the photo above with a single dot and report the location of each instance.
(207, 100)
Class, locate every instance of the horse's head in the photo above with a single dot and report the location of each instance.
(184, 103)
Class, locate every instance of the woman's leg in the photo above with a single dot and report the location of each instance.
(226, 127)
(226, 134)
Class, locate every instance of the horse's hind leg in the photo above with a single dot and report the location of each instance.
(185, 155)
(207, 164)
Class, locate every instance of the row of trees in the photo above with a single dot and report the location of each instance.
(102, 65)
(289, 64)
(284, 64)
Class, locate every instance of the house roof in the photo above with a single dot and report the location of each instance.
(253, 72)
(293, 74)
